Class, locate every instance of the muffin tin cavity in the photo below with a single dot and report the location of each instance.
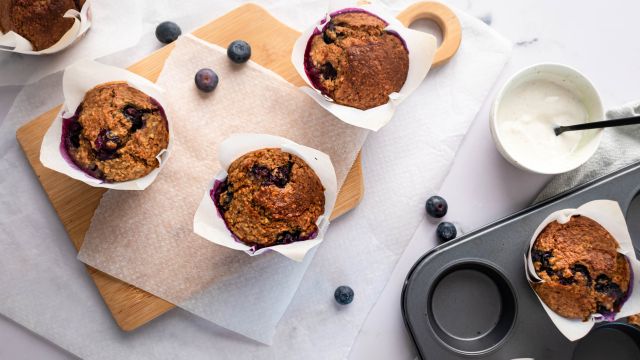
(471, 307)
(609, 341)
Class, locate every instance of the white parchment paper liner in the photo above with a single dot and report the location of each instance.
(77, 80)
(608, 214)
(15, 43)
(207, 221)
(421, 46)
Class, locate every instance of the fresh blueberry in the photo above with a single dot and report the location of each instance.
(436, 206)
(206, 80)
(343, 295)
(239, 51)
(167, 32)
(446, 231)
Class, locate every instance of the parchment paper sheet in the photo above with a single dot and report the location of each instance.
(147, 239)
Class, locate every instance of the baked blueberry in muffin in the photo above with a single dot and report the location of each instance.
(117, 133)
(42, 22)
(270, 197)
(355, 61)
(581, 269)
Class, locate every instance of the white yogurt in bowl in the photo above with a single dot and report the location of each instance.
(532, 104)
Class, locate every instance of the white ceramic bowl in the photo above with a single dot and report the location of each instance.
(572, 80)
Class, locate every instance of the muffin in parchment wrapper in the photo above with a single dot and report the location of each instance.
(15, 43)
(78, 79)
(421, 49)
(208, 221)
(607, 214)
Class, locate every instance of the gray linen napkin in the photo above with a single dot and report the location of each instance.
(620, 146)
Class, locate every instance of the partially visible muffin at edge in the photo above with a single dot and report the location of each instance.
(117, 133)
(582, 270)
(270, 197)
(39, 21)
(356, 62)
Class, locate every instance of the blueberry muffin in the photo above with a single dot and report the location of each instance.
(355, 61)
(634, 320)
(270, 197)
(39, 21)
(582, 270)
(116, 133)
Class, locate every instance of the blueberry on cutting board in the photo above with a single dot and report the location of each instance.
(239, 51)
(168, 32)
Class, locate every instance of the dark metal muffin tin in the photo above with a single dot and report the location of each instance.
(469, 298)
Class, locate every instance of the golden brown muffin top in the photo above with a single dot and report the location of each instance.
(356, 62)
(118, 133)
(270, 197)
(583, 272)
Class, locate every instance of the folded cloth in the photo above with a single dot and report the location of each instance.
(620, 146)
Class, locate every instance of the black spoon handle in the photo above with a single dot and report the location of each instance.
(598, 124)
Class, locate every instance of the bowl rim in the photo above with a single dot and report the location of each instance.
(493, 118)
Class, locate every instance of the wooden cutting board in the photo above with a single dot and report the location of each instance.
(271, 43)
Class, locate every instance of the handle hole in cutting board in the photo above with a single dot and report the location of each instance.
(428, 26)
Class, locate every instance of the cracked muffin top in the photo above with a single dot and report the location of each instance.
(39, 21)
(270, 197)
(116, 133)
(582, 270)
(355, 61)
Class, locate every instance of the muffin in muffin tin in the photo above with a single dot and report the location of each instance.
(42, 22)
(355, 61)
(270, 197)
(116, 133)
(582, 271)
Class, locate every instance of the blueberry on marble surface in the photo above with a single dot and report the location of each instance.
(436, 206)
(446, 231)
(206, 80)
(344, 295)
(168, 32)
(239, 51)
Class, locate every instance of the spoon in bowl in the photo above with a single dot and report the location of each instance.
(598, 124)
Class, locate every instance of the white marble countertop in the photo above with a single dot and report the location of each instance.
(598, 38)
